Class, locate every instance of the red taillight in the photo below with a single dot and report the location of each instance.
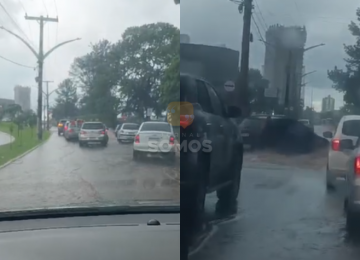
(357, 166)
(65, 128)
(137, 139)
(172, 140)
(102, 132)
(335, 144)
(82, 132)
(185, 122)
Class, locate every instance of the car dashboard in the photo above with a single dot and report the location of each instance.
(125, 237)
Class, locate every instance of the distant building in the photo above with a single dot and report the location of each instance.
(284, 48)
(5, 102)
(22, 96)
(328, 104)
(184, 38)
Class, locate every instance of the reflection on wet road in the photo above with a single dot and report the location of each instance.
(60, 173)
(282, 214)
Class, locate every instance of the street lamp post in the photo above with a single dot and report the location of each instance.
(40, 56)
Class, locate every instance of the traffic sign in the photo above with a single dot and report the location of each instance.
(229, 85)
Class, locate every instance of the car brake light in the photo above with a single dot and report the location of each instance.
(102, 132)
(357, 166)
(335, 144)
(65, 128)
(82, 132)
(172, 140)
(137, 139)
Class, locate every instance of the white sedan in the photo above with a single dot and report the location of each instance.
(155, 139)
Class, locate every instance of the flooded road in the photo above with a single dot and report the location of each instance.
(61, 174)
(282, 213)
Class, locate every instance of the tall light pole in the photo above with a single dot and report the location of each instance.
(288, 76)
(40, 56)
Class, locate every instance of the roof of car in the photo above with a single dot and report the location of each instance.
(351, 117)
(156, 122)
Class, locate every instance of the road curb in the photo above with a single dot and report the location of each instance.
(23, 154)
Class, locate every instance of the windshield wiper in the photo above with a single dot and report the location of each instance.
(44, 213)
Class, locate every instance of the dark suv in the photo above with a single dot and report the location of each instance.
(61, 125)
(207, 170)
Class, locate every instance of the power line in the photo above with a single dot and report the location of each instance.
(46, 10)
(13, 21)
(23, 7)
(258, 29)
(14, 62)
(261, 15)
(56, 8)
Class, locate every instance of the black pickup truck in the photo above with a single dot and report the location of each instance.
(216, 164)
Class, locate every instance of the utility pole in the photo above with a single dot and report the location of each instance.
(40, 59)
(287, 85)
(47, 102)
(242, 81)
(41, 21)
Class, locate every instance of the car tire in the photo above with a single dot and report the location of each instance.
(119, 141)
(172, 157)
(136, 155)
(59, 134)
(329, 184)
(104, 144)
(230, 193)
(352, 223)
(196, 203)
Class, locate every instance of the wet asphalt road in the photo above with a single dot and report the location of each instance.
(282, 213)
(61, 174)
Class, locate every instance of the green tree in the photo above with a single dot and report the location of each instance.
(66, 100)
(12, 111)
(97, 74)
(148, 59)
(170, 87)
(347, 80)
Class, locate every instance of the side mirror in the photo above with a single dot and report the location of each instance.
(346, 144)
(328, 134)
(233, 112)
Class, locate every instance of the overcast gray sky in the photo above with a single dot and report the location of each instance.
(91, 20)
(218, 22)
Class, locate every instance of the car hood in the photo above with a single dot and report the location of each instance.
(111, 242)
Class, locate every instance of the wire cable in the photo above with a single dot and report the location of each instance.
(16, 63)
(258, 29)
(261, 15)
(46, 10)
(14, 22)
(23, 7)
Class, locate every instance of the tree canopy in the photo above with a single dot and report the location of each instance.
(347, 80)
(138, 72)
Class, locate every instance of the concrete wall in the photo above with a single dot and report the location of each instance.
(215, 64)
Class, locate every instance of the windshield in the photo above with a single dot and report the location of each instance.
(155, 127)
(93, 126)
(297, 85)
(97, 66)
(130, 127)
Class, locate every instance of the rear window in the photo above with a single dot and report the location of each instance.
(351, 128)
(156, 127)
(305, 122)
(62, 122)
(93, 126)
(130, 127)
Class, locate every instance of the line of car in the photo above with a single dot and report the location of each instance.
(150, 139)
(343, 167)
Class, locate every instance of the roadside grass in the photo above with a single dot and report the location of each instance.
(25, 140)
